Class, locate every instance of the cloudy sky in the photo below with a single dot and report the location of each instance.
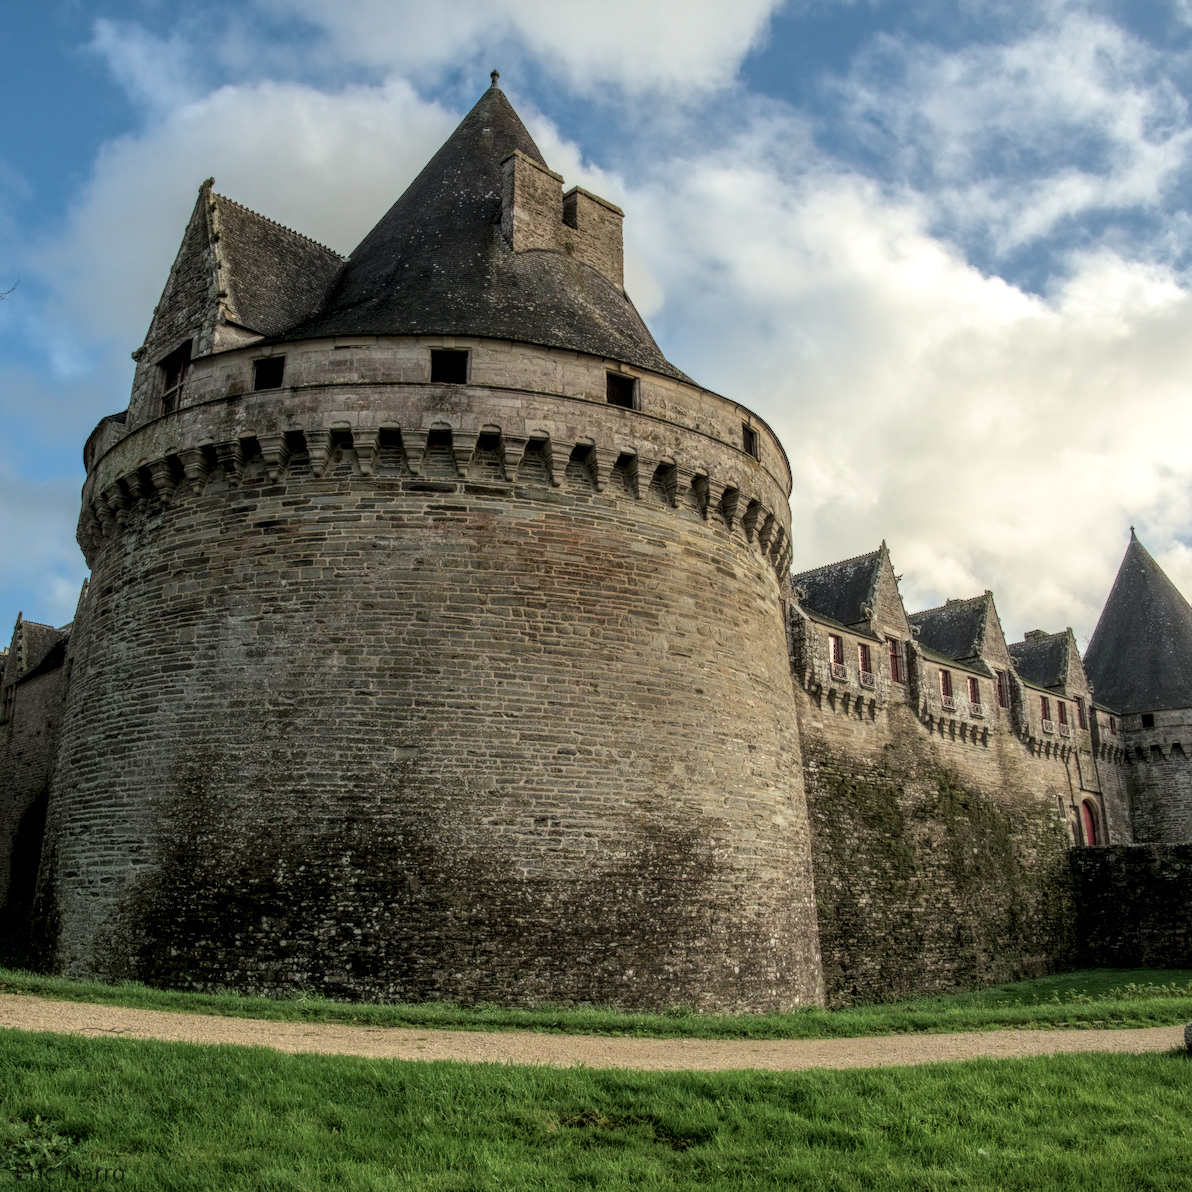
(943, 246)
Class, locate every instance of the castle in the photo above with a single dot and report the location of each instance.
(441, 642)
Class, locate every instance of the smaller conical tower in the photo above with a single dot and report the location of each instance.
(1140, 656)
(1140, 664)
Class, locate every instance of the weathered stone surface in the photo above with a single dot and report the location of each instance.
(411, 736)
(1135, 904)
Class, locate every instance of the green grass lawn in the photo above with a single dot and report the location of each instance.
(174, 1116)
(1092, 998)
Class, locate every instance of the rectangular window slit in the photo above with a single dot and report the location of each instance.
(448, 367)
(268, 373)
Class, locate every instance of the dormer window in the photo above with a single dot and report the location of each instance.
(620, 390)
(896, 667)
(268, 373)
(448, 367)
(749, 440)
(173, 376)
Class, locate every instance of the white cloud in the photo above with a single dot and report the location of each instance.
(1010, 139)
(994, 438)
(675, 46)
(328, 165)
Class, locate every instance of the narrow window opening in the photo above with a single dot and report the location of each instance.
(1062, 711)
(1081, 717)
(974, 691)
(620, 390)
(1045, 709)
(1002, 697)
(837, 647)
(749, 439)
(1113, 725)
(268, 373)
(863, 657)
(1148, 720)
(896, 673)
(946, 683)
(173, 373)
(448, 367)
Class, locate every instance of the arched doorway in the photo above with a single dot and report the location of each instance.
(1089, 821)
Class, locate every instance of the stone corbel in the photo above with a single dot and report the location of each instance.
(766, 533)
(137, 495)
(414, 444)
(366, 443)
(558, 456)
(603, 460)
(318, 448)
(163, 479)
(513, 447)
(194, 465)
(463, 450)
(681, 484)
(230, 454)
(117, 503)
(275, 451)
(105, 517)
(753, 511)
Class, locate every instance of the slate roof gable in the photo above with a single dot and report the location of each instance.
(841, 590)
(1042, 661)
(438, 264)
(955, 630)
(1140, 655)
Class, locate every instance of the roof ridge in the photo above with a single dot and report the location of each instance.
(281, 226)
(950, 602)
(838, 563)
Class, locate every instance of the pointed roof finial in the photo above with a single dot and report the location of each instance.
(494, 75)
(1132, 534)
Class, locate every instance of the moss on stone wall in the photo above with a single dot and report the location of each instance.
(926, 880)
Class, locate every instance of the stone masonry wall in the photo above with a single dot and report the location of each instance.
(488, 731)
(1135, 904)
(940, 865)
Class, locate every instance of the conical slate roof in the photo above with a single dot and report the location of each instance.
(437, 263)
(1140, 657)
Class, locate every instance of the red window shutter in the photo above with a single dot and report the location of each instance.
(974, 691)
(895, 660)
(1045, 707)
(1062, 709)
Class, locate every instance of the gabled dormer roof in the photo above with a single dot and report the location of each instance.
(955, 629)
(1140, 655)
(438, 264)
(238, 277)
(1047, 659)
(843, 591)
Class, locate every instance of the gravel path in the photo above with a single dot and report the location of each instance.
(595, 1051)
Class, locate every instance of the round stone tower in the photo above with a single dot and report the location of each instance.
(433, 646)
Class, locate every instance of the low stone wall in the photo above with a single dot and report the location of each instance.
(1135, 905)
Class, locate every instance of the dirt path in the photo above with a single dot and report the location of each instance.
(596, 1051)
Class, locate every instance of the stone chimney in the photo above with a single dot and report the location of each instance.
(593, 233)
(535, 214)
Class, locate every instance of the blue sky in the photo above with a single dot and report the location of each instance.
(943, 247)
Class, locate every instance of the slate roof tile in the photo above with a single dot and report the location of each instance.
(1140, 655)
(437, 263)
